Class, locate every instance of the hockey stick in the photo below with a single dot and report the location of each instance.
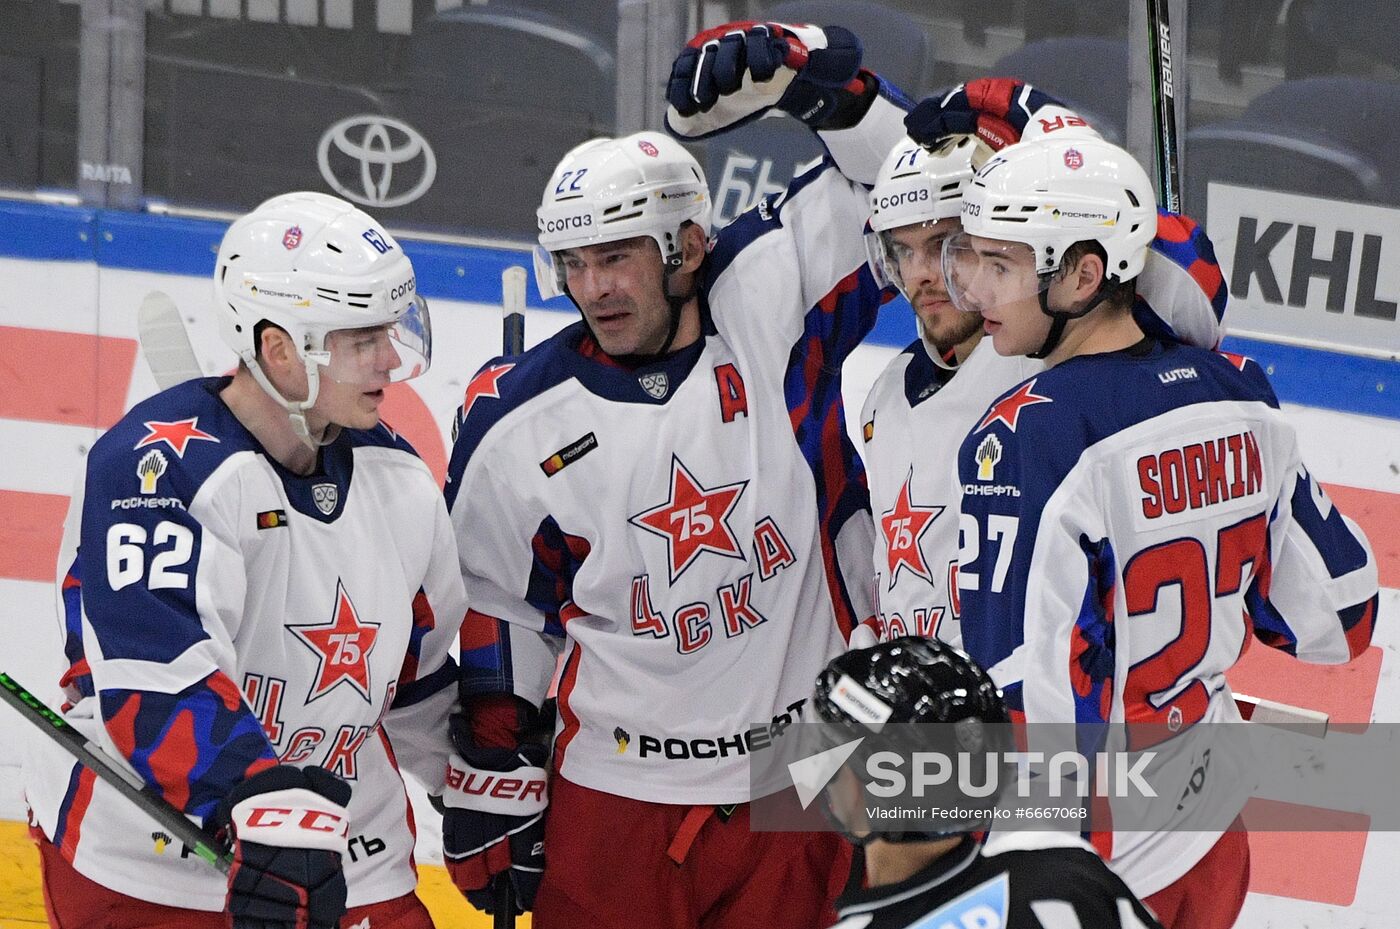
(1159, 54)
(96, 759)
(164, 341)
(513, 310)
(512, 343)
(1166, 156)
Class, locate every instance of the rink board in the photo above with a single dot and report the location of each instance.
(73, 367)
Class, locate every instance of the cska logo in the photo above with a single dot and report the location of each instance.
(903, 526)
(694, 520)
(291, 239)
(1074, 159)
(342, 647)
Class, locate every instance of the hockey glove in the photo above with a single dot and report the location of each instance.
(998, 110)
(732, 74)
(289, 829)
(494, 803)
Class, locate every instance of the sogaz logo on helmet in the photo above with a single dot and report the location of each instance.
(902, 198)
(403, 289)
(565, 223)
(376, 160)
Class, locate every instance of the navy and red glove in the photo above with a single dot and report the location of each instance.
(290, 831)
(494, 801)
(998, 110)
(732, 74)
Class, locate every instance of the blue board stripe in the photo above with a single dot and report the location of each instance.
(179, 245)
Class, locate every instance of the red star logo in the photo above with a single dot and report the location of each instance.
(1008, 409)
(693, 520)
(177, 434)
(484, 385)
(1238, 361)
(903, 526)
(342, 647)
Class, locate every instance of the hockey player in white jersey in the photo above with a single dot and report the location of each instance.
(950, 873)
(259, 602)
(1126, 507)
(665, 492)
(933, 392)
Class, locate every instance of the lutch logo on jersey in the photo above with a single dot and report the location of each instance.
(693, 520)
(177, 435)
(903, 526)
(341, 646)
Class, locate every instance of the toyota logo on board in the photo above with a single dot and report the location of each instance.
(376, 160)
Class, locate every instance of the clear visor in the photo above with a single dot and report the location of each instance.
(549, 273)
(913, 259)
(376, 355)
(984, 275)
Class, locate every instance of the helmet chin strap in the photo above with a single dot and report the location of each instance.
(1060, 318)
(296, 409)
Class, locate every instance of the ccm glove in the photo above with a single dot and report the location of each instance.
(289, 829)
(494, 802)
(998, 110)
(733, 74)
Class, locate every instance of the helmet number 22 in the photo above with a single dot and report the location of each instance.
(569, 181)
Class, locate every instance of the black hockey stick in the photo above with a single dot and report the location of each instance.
(1159, 54)
(512, 343)
(96, 759)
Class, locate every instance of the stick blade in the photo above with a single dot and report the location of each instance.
(164, 341)
(1298, 719)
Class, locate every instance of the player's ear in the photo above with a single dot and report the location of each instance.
(692, 247)
(1084, 277)
(276, 350)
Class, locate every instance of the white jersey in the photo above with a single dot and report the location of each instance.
(221, 614)
(913, 420)
(1129, 519)
(917, 414)
(694, 533)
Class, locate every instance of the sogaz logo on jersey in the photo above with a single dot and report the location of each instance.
(376, 160)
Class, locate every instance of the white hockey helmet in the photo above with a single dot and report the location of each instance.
(1052, 192)
(312, 264)
(605, 190)
(916, 185)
